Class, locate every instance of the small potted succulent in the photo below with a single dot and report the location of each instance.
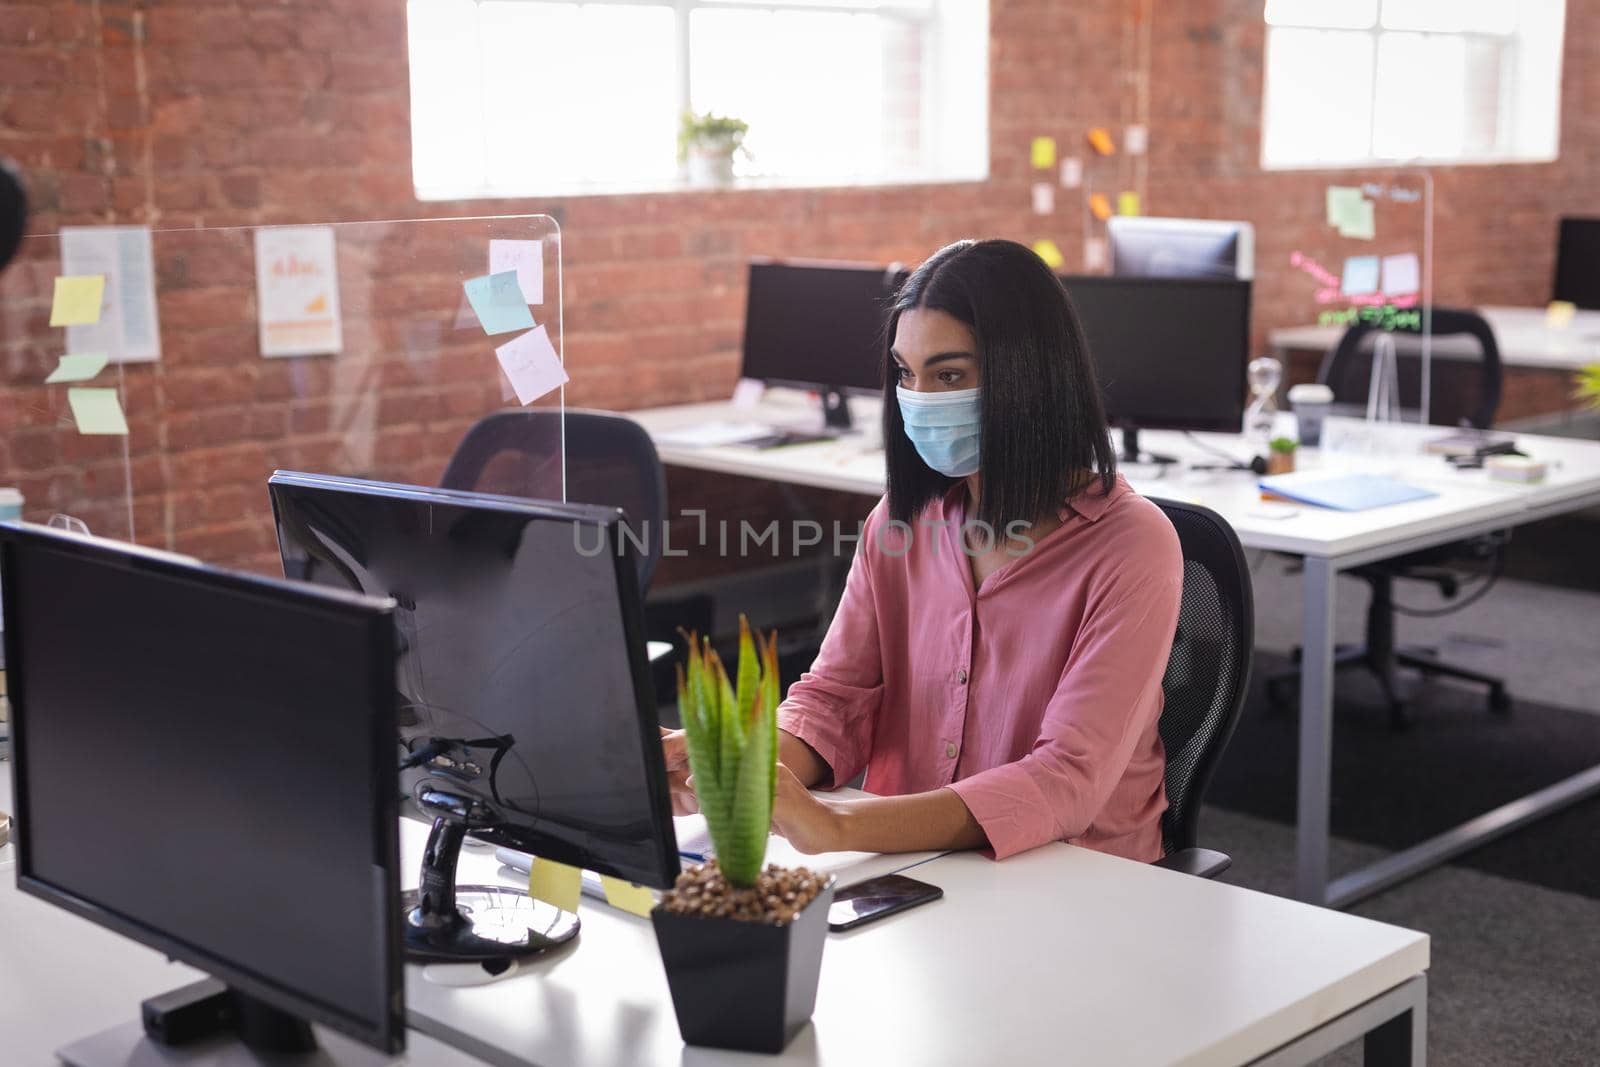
(1280, 455)
(1587, 385)
(706, 145)
(741, 942)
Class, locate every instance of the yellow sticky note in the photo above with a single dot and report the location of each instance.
(627, 896)
(77, 301)
(1100, 206)
(1127, 203)
(1100, 140)
(555, 883)
(1558, 314)
(1046, 250)
(1044, 153)
(97, 411)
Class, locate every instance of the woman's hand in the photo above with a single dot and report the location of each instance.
(675, 747)
(811, 823)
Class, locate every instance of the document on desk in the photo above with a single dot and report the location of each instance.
(1350, 492)
(713, 434)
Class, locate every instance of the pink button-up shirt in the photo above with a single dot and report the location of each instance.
(1034, 698)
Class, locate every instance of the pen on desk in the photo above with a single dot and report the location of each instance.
(697, 857)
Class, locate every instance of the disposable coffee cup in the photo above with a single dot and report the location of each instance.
(1310, 403)
(10, 505)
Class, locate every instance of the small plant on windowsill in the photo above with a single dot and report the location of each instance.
(742, 943)
(707, 144)
(1280, 455)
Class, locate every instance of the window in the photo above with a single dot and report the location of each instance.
(1355, 82)
(541, 97)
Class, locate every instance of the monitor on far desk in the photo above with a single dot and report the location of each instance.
(818, 325)
(1168, 353)
(527, 714)
(1147, 247)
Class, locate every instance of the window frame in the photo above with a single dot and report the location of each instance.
(1513, 56)
(924, 14)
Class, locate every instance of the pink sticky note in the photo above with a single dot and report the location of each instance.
(524, 257)
(530, 361)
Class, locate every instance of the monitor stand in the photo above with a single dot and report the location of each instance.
(1130, 450)
(447, 923)
(129, 1046)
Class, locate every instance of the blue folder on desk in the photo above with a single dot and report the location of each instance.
(1348, 492)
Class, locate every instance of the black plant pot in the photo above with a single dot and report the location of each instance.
(743, 985)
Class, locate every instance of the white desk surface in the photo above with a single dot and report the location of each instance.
(1525, 339)
(1058, 950)
(1465, 498)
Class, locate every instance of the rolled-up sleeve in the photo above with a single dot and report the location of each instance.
(1109, 695)
(833, 705)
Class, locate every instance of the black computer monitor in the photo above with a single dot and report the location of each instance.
(1168, 353)
(205, 763)
(527, 713)
(1578, 263)
(1147, 247)
(819, 325)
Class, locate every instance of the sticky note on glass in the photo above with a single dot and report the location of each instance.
(627, 896)
(1401, 274)
(1127, 203)
(1360, 276)
(1046, 250)
(1071, 172)
(524, 257)
(77, 368)
(1100, 206)
(555, 883)
(97, 411)
(77, 300)
(1341, 201)
(1044, 153)
(1135, 140)
(498, 302)
(1100, 140)
(531, 363)
(1558, 314)
(1044, 198)
(1361, 223)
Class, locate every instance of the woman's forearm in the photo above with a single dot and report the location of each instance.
(937, 819)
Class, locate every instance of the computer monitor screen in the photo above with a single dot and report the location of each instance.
(205, 763)
(817, 325)
(1168, 353)
(1145, 247)
(1578, 263)
(522, 677)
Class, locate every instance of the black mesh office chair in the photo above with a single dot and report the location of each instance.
(1347, 370)
(611, 461)
(1207, 677)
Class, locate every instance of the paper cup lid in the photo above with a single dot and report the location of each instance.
(1310, 393)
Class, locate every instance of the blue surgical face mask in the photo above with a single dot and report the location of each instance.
(944, 428)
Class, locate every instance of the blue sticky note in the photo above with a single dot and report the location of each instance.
(1360, 276)
(499, 303)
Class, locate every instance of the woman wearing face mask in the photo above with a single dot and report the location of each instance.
(995, 663)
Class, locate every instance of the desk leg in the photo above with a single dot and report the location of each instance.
(1403, 1040)
(1316, 733)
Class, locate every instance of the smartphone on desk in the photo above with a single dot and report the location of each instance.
(861, 903)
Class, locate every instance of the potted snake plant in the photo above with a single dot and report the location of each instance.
(741, 941)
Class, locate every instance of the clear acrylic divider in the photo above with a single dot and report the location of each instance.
(360, 349)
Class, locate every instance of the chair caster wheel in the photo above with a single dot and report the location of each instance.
(1499, 701)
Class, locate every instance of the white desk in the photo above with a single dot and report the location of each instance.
(1524, 337)
(1467, 504)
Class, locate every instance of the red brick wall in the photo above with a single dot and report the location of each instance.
(183, 113)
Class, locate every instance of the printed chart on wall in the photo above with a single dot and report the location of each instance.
(128, 327)
(297, 291)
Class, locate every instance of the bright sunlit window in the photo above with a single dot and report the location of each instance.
(1354, 82)
(531, 97)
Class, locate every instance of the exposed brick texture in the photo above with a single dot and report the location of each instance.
(207, 113)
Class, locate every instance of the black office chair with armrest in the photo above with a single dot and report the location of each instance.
(1207, 677)
(1347, 370)
(611, 461)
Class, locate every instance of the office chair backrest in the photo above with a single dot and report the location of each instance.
(1348, 370)
(611, 461)
(1209, 669)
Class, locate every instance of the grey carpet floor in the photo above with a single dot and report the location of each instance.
(1516, 968)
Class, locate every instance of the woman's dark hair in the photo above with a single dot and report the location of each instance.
(1044, 426)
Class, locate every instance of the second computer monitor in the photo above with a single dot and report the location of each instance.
(818, 325)
(1145, 247)
(1168, 353)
